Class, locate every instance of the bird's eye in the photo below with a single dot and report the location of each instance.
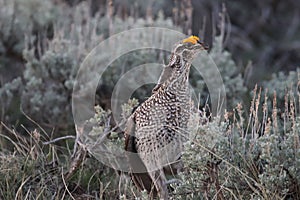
(188, 44)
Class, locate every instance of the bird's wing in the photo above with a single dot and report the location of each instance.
(166, 73)
(129, 135)
(142, 180)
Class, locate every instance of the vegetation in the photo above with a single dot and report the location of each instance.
(250, 152)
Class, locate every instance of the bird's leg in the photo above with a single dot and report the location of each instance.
(159, 179)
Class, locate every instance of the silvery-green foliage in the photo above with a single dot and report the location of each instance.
(21, 17)
(232, 78)
(241, 162)
(7, 93)
(206, 145)
(282, 83)
(102, 140)
(51, 66)
(20, 21)
(138, 57)
(280, 157)
(48, 86)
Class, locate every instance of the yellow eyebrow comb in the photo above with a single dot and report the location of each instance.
(192, 39)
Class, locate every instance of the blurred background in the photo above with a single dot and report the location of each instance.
(42, 44)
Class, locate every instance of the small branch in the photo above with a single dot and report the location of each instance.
(58, 139)
(66, 186)
(76, 161)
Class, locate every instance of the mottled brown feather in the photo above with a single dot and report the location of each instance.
(160, 123)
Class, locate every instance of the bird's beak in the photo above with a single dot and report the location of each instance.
(205, 46)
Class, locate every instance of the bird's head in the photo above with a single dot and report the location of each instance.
(180, 61)
(188, 48)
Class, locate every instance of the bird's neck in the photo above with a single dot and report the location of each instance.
(180, 80)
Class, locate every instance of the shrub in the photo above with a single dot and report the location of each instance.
(241, 159)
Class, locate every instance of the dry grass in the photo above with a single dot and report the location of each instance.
(38, 169)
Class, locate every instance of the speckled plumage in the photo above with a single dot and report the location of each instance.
(156, 130)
